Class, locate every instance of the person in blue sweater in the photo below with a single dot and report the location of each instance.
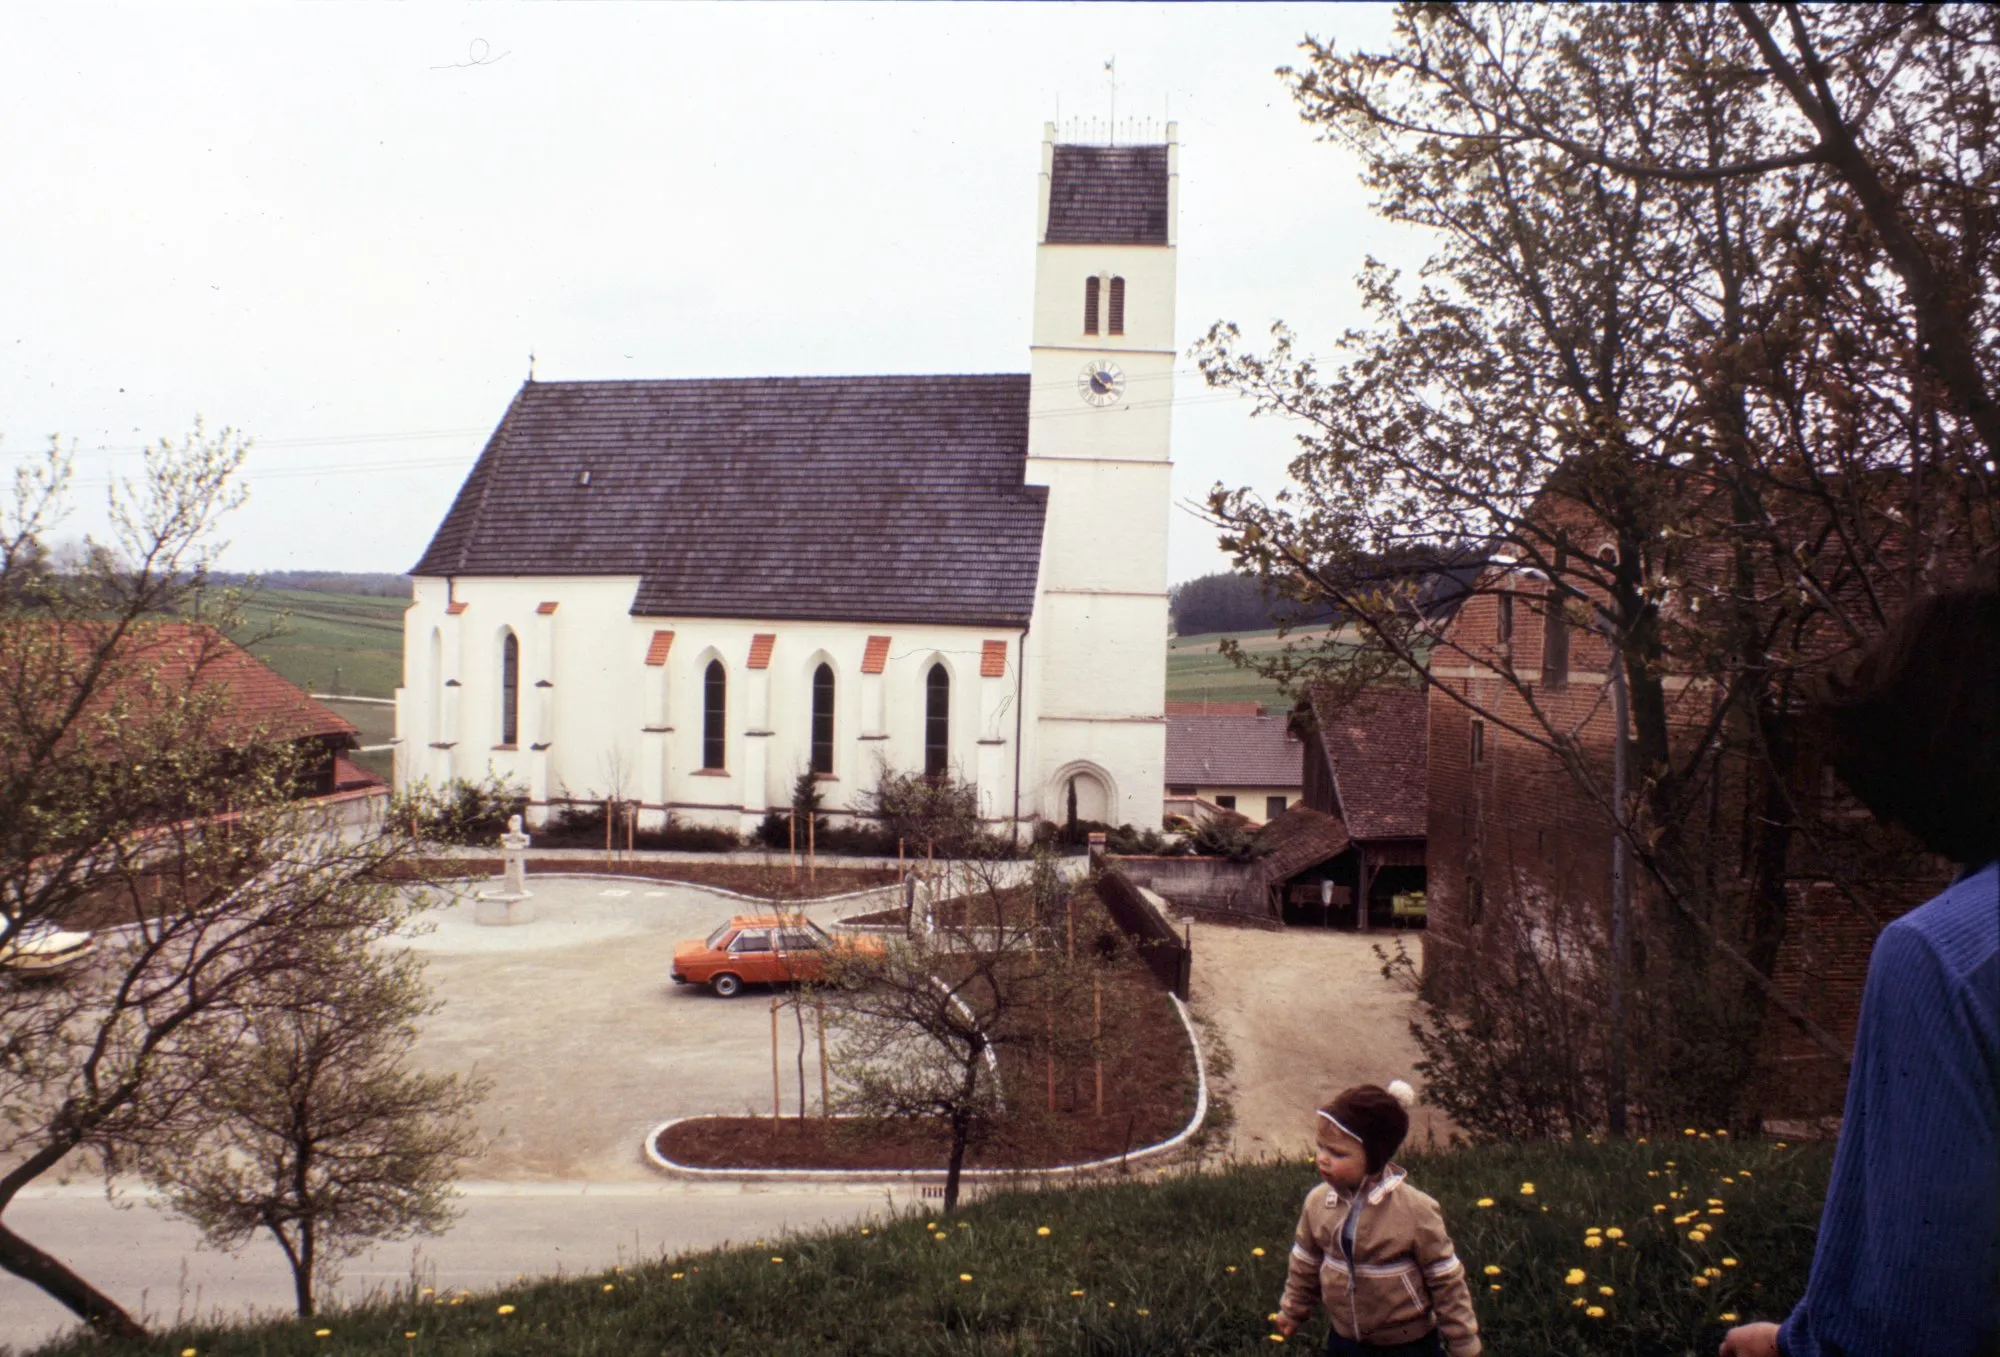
(1908, 1256)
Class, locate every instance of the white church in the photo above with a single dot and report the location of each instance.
(687, 592)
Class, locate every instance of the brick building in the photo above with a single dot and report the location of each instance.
(1520, 854)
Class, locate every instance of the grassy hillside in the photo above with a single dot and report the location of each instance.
(1197, 670)
(1180, 1264)
(322, 640)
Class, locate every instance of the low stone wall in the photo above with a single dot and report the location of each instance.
(1208, 888)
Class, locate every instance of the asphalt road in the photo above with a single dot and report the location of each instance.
(154, 1265)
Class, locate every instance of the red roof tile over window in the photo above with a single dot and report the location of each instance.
(760, 649)
(1233, 751)
(993, 659)
(545, 609)
(876, 658)
(656, 653)
(455, 607)
(1379, 748)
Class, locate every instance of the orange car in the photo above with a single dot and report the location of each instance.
(765, 948)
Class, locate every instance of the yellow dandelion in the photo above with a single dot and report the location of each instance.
(1256, 1253)
(1779, 1146)
(609, 1287)
(1704, 1135)
(1729, 1262)
(1614, 1233)
(1740, 1173)
(1652, 1173)
(1605, 1291)
(963, 1226)
(1716, 1211)
(458, 1300)
(1277, 1338)
(1711, 1272)
(1574, 1277)
(505, 1310)
(1484, 1202)
(1578, 1303)
(1494, 1287)
(1595, 1229)
(1043, 1231)
(776, 1259)
(1527, 1189)
(409, 1333)
(1493, 1269)
(1670, 1163)
(1271, 1318)
(1690, 1131)
(1701, 1281)
(1698, 1236)
(1595, 1312)
(1729, 1182)
(322, 1333)
(1659, 1207)
(1145, 1312)
(1593, 1242)
(1642, 1140)
(1715, 1201)
(189, 1352)
(965, 1276)
(1722, 1131)
(1230, 1268)
(864, 1229)
(1076, 1293)
(1111, 1305)
(679, 1275)
(1727, 1316)
(429, 1291)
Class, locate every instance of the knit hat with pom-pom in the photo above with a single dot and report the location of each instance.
(1377, 1117)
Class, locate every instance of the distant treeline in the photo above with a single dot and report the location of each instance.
(371, 584)
(1230, 602)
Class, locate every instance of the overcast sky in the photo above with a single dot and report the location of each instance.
(342, 229)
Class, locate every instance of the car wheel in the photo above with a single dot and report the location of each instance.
(726, 986)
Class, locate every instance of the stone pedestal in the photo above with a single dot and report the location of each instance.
(512, 903)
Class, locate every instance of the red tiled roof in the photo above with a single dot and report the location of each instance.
(455, 607)
(254, 704)
(1233, 751)
(545, 609)
(993, 659)
(876, 658)
(656, 653)
(1300, 838)
(1379, 747)
(1204, 707)
(760, 649)
(350, 776)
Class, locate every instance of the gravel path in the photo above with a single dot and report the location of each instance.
(1305, 1013)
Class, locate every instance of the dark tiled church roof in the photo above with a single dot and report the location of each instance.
(884, 499)
(1108, 195)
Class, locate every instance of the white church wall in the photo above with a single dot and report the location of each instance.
(615, 723)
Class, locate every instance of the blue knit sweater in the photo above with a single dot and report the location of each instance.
(1908, 1259)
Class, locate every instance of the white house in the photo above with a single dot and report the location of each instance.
(686, 592)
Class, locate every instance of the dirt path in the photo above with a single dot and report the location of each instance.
(1305, 1014)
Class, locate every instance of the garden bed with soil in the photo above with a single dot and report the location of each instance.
(1149, 1094)
(743, 879)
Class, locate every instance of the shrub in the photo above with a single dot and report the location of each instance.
(939, 815)
(459, 812)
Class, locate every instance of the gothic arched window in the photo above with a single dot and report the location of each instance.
(1090, 286)
(822, 720)
(510, 690)
(937, 722)
(714, 714)
(1117, 318)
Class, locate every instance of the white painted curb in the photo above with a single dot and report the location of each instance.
(803, 902)
(666, 1165)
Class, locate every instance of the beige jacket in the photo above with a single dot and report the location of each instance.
(1402, 1279)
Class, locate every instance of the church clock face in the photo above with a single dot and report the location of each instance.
(1100, 382)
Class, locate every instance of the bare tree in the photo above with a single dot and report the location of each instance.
(920, 1028)
(135, 799)
(322, 1135)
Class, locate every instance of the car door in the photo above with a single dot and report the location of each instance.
(800, 953)
(752, 958)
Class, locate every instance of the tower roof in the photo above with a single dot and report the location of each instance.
(879, 499)
(1108, 195)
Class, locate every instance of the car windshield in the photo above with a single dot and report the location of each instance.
(716, 939)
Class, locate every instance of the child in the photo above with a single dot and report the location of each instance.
(1370, 1247)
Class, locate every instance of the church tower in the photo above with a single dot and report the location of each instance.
(1099, 421)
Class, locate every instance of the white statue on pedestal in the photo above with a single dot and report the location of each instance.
(509, 904)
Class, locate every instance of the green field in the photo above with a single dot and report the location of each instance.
(1196, 670)
(326, 643)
